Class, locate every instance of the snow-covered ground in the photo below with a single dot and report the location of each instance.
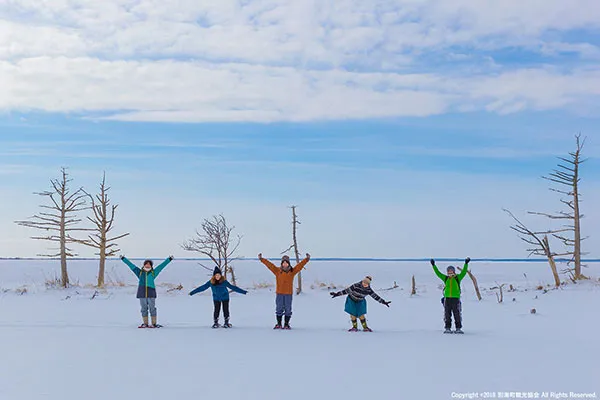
(62, 345)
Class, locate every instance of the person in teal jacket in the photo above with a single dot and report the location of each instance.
(220, 293)
(146, 288)
(451, 299)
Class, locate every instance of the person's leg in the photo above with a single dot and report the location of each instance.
(447, 313)
(457, 314)
(279, 306)
(288, 308)
(354, 321)
(144, 310)
(152, 308)
(217, 311)
(226, 311)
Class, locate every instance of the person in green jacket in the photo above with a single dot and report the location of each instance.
(146, 288)
(451, 299)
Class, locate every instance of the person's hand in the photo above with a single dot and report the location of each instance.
(171, 258)
(334, 294)
(432, 261)
(260, 256)
(467, 260)
(307, 256)
(387, 303)
(121, 256)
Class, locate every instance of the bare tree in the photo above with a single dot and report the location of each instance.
(474, 280)
(60, 219)
(566, 176)
(295, 223)
(103, 220)
(413, 290)
(540, 245)
(215, 241)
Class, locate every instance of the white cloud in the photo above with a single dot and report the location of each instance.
(271, 60)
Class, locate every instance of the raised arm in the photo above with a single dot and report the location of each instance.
(235, 288)
(162, 265)
(268, 264)
(437, 271)
(463, 273)
(200, 289)
(301, 264)
(131, 265)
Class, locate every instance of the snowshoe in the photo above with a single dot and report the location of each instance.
(277, 326)
(448, 331)
(287, 327)
(227, 325)
(157, 326)
(144, 326)
(353, 329)
(459, 331)
(367, 329)
(216, 325)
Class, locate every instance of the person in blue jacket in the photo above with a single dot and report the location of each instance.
(146, 288)
(220, 293)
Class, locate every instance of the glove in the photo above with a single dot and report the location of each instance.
(387, 303)
(121, 257)
(467, 260)
(334, 294)
(432, 261)
(171, 258)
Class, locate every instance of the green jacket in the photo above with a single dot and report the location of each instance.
(146, 285)
(452, 288)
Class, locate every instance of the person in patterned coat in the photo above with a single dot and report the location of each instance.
(356, 304)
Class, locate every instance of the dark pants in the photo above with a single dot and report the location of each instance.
(452, 307)
(283, 305)
(218, 309)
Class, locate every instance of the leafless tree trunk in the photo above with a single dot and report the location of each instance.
(413, 290)
(60, 219)
(500, 295)
(295, 223)
(474, 282)
(216, 242)
(567, 177)
(540, 244)
(103, 220)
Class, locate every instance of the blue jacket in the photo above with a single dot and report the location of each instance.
(146, 286)
(220, 290)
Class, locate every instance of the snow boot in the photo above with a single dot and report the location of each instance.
(227, 324)
(447, 330)
(278, 325)
(459, 331)
(155, 324)
(367, 329)
(287, 323)
(363, 322)
(353, 329)
(145, 323)
(216, 324)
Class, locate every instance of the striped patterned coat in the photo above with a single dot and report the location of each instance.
(358, 292)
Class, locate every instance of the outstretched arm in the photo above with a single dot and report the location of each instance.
(379, 299)
(301, 264)
(200, 289)
(131, 265)
(342, 292)
(437, 271)
(463, 273)
(235, 288)
(268, 264)
(162, 265)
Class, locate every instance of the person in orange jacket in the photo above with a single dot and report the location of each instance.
(284, 276)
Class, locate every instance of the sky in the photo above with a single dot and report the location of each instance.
(399, 128)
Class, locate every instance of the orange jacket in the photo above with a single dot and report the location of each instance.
(285, 280)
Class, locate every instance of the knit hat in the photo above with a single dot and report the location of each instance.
(149, 262)
(217, 270)
(450, 268)
(368, 278)
(285, 258)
